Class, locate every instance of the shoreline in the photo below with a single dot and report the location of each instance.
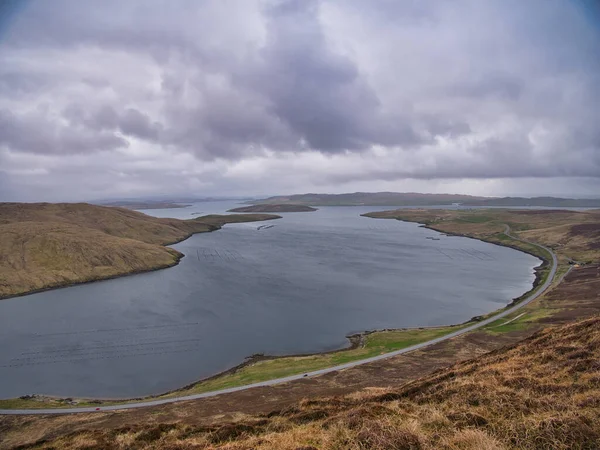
(94, 280)
(537, 270)
(178, 256)
(356, 340)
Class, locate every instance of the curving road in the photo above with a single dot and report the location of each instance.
(525, 301)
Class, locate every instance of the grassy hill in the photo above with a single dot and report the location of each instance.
(45, 245)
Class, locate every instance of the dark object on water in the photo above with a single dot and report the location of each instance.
(432, 238)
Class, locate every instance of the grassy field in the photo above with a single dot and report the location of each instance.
(47, 245)
(375, 344)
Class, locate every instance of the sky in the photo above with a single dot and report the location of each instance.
(112, 99)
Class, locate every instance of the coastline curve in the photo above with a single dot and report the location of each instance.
(533, 295)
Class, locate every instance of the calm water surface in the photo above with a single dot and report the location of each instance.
(298, 286)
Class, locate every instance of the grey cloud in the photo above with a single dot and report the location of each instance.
(297, 95)
(135, 123)
(464, 89)
(100, 119)
(496, 84)
(446, 127)
(15, 84)
(318, 93)
(130, 122)
(38, 133)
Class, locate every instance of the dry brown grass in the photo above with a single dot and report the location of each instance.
(543, 393)
(44, 245)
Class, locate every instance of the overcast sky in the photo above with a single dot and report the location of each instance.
(112, 98)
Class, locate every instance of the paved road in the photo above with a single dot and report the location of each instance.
(315, 373)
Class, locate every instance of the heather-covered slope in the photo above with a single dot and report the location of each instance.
(541, 393)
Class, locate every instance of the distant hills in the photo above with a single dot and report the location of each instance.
(273, 207)
(416, 199)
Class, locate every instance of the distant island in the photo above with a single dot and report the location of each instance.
(145, 205)
(416, 199)
(269, 208)
(48, 245)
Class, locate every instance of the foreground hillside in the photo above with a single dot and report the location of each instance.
(541, 393)
(44, 245)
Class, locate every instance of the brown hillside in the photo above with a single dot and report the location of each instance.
(543, 393)
(44, 245)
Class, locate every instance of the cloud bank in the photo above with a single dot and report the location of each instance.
(238, 97)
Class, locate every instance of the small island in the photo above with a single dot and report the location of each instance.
(268, 208)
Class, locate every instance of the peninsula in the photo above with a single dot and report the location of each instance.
(49, 245)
